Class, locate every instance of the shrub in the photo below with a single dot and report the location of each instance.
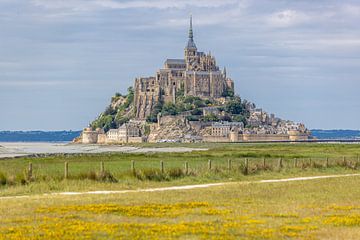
(3, 179)
(150, 174)
(174, 173)
(88, 175)
(106, 177)
(196, 111)
(157, 175)
(169, 109)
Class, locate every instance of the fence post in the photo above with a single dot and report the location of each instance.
(280, 163)
(66, 170)
(310, 162)
(30, 171)
(162, 166)
(327, 162)
(209, 164)
(102, 168)
(133, 166)
(344, 160)
(186, 168)
(246, 167)
(229, 164)
(295, 162)
(264, 163)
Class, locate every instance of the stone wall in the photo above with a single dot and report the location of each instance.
(146, 95)
(210, 138)
(263, 137)
(89, 136)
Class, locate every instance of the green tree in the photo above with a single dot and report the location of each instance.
(196, 112)
(210, 118)
(240, 118)
(234, 106)
(169, 109)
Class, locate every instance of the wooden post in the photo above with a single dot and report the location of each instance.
(133, 166)
(162, 166)
(280, 163)
(102, 168)
(229, 164)
(186, 168)
(264, 163)
(310, 162)
(246, 167)
(30, 171)
(66, 170)
(344, 160)
(327, 162)
(209, 164)
(295, 162)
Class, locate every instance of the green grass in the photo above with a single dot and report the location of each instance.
(84, 170)
(316, 209)
(245, 209)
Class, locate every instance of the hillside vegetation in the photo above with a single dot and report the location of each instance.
(121, 110)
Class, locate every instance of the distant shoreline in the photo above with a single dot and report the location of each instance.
(68, 136)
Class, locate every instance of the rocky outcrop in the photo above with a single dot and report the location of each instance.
(171, 128)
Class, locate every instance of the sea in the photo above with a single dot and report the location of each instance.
(68, 136)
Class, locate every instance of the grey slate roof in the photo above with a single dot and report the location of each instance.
(174, 61)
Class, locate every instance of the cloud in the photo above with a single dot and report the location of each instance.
(351, 10)
(287, 18)
(91, 5)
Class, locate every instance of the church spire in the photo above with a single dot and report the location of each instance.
(191, 43)
(191, 35)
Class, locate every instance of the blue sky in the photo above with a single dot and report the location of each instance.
(62, 60)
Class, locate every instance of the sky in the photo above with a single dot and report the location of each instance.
(62, 60)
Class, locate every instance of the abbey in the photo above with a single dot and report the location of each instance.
(188, 100)
(196, 75)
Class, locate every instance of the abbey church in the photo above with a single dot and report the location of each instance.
(196, 75)
(188, 100)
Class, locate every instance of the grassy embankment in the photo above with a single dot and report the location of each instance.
(48, 173)
(317, 209)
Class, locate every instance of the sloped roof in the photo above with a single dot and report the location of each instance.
(174, 61)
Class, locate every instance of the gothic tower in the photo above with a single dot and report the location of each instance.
(190, 49)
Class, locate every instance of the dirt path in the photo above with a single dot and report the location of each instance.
(186, 187)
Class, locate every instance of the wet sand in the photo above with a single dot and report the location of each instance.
(8, 150)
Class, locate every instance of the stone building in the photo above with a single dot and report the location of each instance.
(223, 129)
(90, 136)
(127, 133)
(196, 74)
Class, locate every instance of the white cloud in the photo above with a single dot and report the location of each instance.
(351, 10)
(287, 18)
(92, 5)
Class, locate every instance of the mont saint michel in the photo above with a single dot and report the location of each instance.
(189, 99)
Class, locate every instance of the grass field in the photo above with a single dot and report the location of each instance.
(84, 170)
(316, 209)
(241, 209)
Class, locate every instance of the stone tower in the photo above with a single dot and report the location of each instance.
(194, 75)
(190, 49)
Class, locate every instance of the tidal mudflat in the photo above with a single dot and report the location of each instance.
(8, 150)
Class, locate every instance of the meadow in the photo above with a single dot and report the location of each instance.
(228, 162)
(244, 208)
(317, 209)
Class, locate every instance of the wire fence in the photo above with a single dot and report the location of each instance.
(180, 168)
